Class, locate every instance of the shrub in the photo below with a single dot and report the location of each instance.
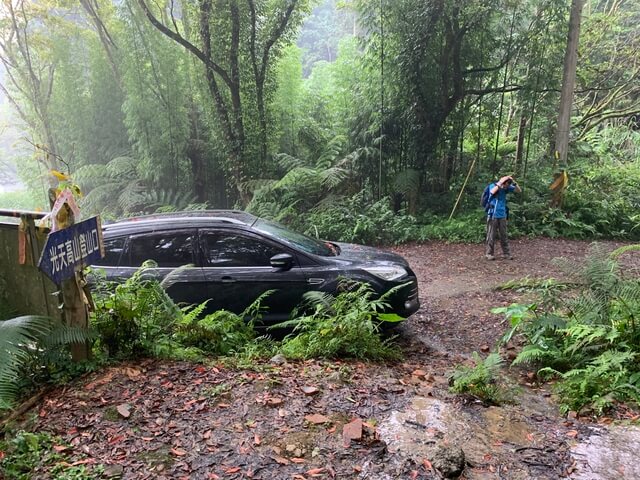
(134, 318)
(356, 220)
(138, 318)
(480, 380)
(344, 326)
(32, 350)
(469, 227)
(589, 339)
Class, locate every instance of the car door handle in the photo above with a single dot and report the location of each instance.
(228, 279)
(315, 281)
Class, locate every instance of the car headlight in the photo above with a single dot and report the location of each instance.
(387, 273)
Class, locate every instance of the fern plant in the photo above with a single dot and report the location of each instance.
(135, 317)
(344, 326)
(588, 338)
(221, 332)
(118, 189)
(481, 379)
(28, 344)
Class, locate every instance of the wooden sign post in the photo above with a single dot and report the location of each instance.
(70, 247)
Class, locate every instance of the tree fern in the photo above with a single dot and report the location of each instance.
(407, 181)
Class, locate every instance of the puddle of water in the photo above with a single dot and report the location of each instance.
(492, 435)
(427, 422)
(611, 453)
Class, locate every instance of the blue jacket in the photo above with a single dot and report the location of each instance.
(498, 202)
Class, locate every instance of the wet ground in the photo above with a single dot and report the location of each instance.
(346, 419)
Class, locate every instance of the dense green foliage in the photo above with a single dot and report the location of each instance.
(588, 338)
(344, 326)
(381, 115)
(480, 380)
(138, 319)
(25, 454)
(33, 348)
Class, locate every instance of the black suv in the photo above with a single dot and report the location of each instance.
(236, 257)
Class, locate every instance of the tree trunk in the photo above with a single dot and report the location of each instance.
(522, 131)
(568, 84)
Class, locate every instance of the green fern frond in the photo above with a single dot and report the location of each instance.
(123, 167)
(174, 275)
(257, 184)
(533, 354)
(255, 310)
(17, 337)
(333, 177)
(297, 176)
(90, 176)
(328, 202)
(130, 197)
(65, 335)
(622, 250)
(331, 152)
(407, 181)
(191, 313)
(288, 162)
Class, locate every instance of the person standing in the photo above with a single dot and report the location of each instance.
(497, 216)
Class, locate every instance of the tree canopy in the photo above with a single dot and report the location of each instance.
(293, 106)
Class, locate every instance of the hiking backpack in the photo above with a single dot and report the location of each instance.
(485, 199)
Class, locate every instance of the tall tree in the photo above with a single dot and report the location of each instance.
(30, 71)
(218, 46)
(568, 83)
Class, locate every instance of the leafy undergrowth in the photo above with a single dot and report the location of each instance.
(22, 454)
(587, 337)
(482, 380)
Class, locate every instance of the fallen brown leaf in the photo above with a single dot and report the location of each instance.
(352, 431)
(178, 452)
(317, 419)
(280, 460)
(124, 410)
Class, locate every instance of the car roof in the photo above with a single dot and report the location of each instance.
(181, 219)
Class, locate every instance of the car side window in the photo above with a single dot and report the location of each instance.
(233, 250)
(168, 249)
(112, 251)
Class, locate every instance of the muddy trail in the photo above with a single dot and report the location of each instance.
(351, 420)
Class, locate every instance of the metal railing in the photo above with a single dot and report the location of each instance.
(22, 213)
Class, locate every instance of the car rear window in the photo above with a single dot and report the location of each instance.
(167, 249)
(113, 248)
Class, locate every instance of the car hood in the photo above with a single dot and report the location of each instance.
(363, 254)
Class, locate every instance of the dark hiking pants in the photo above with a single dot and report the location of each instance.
(497, 227)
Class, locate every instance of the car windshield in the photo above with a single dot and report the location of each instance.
(307, 244)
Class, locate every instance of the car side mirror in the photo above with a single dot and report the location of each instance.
(282, 261)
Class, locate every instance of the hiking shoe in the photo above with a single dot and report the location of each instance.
(508, 257)
(489, 257)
